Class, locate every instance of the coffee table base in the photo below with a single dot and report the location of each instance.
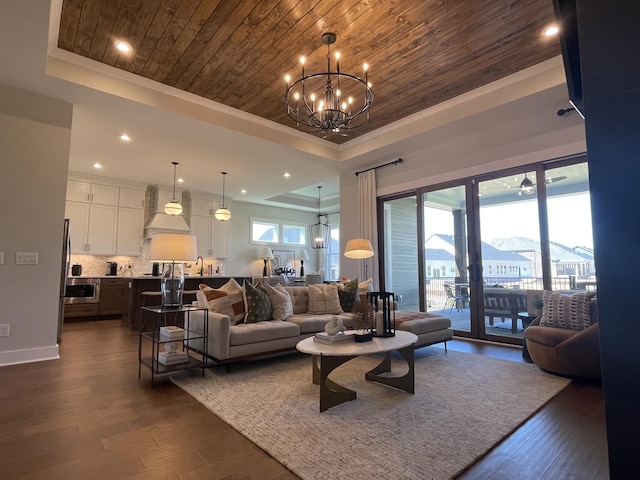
(332, 393)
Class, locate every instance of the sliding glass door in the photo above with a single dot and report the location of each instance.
(446, 261)
(481, 251)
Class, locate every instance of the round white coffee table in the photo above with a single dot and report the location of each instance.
(327, 358)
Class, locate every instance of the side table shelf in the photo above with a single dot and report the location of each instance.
(151, 320)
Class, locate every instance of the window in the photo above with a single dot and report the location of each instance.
(276, 232)
(264, 232)
(294, 235)
(333, 254)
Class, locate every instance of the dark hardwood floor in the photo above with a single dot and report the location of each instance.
(88, 416)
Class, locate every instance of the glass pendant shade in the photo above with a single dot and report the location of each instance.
(222, 214)
(173, 208)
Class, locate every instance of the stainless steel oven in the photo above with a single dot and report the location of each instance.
(82, 290)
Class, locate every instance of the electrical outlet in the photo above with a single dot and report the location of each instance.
(25, 258)
(4, 330)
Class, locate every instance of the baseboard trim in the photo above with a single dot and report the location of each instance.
(29, 355)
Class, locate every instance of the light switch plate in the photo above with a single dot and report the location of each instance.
(1, 258)
(26, 258)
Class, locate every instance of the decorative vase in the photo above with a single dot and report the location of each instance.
(172, 285)
(363, 335)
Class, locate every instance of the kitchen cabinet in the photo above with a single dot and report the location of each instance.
(212, 235)
(130, 231)
(92, 228)
(111, 296)
(78, 191)
(131, 198)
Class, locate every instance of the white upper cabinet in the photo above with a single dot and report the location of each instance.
(130, 231)
(131, 198)
(92, 228)
(212, 235)
(78, 191)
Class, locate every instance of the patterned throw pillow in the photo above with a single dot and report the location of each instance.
(235, 299)
(257, 304)
(324, 300)
(348, 295)
(366, 286)
(215, 300)
(575, 311)
(281, 306)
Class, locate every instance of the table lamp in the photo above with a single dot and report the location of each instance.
(302, 255)
(265, 254)
(173, 249)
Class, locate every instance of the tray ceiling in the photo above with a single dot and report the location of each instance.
(420, 53)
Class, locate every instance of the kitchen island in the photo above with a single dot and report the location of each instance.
(135, 286)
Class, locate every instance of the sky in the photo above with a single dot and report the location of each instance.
(569, 221)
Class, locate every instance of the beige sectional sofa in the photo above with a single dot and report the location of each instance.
(229, 342)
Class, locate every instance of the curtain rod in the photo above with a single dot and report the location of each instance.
(395, 162)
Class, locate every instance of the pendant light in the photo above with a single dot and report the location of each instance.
(223, 214)
(320, 232)
(173, 207)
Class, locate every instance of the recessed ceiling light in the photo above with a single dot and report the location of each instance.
(97, 166)
(551, 30)
(123, 46)
(180, 180)
(287, 174)
(243, 191)
(125, 138)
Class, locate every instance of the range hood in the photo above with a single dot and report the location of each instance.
(156, 220)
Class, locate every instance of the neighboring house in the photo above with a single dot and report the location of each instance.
(440, 259)
(565, 261)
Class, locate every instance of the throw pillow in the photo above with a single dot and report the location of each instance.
(348, 295)
(257, 304)
(365, 286)
(324, 300)
(235, 292)
(216, 301)
(281, 306)
(568, 311)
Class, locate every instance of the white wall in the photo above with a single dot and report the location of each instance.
(243, 255)
(521, 133)
(34, 151)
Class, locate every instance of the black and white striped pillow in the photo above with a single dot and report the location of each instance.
(577, 311)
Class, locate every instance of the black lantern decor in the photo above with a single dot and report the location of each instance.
(385, 313)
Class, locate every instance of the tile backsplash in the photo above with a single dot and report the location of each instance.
(96, 265)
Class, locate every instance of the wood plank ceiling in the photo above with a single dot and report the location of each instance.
(234, 52)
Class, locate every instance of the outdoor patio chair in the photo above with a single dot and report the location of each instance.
(454, 300)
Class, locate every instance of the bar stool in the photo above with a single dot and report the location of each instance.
(149, 296)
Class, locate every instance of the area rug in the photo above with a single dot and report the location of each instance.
(464, 404)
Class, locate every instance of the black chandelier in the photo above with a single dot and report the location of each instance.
(327, 101)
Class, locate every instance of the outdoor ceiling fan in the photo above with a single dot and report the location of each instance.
(527, 186)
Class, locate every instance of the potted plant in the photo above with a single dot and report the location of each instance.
(362, 321)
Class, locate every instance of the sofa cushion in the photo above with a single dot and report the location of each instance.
(281, 306)
(257, 303)
(311, 323)
(577, 311)
(299, 299)
(324, 299)
(348, 294)
(246, 333)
